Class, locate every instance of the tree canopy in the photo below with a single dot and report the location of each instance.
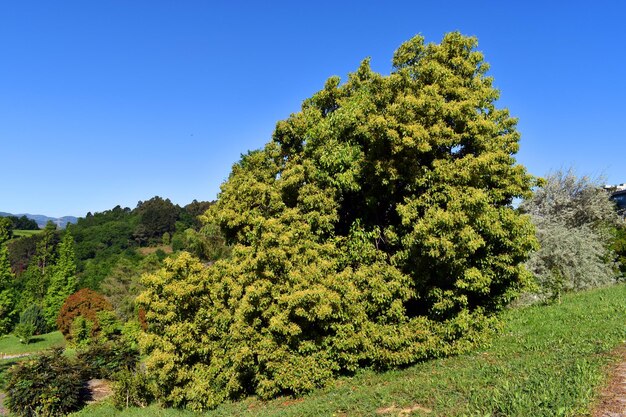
(23, 223)
(374, 229)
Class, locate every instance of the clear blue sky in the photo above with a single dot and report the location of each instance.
(112, 102)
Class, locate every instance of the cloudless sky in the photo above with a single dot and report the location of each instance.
(111, 102)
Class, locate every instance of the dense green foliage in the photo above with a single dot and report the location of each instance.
(132, 389)
(123, 284)
(62, 281)
(105, 358)
(22, 223)
(101, 250)
(108, 241)
(375, 229)
(156, 217)
(33, 316)
(547, 361)
(101, 240)
(6, 229)
(47, 386)
(574, 219)
(618, 246)
(8, 302)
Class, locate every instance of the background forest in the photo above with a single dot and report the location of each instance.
(105, 252)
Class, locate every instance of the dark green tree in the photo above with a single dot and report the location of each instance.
(157, 216)
(33, 316)
(62, 280)
(8, 311)
(33, 282)
(46, 247)
(191, 213)
(21, 251)
(23, 223)
(375, 229)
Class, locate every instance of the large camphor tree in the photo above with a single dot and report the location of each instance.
(375, 229)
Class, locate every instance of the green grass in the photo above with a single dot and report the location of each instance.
(21, 233)
(10, 345)
(547, 361)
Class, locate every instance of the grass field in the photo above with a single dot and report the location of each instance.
(20, 233)
(10, 345)
(547, 361)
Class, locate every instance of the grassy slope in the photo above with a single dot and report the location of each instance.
(21, 233)
(10, 345)
(548, 361)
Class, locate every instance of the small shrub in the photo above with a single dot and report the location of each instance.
(24, 332)
(110, 326)
(618, 246)
(103, 359)
(85, 303)
(131, 389)
(573, 217)
(48, 385)
(178, 242)
(33, 315)
(80, 332)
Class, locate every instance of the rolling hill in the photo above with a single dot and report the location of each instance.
(41, 220)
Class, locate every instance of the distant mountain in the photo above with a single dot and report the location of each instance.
(41, 220)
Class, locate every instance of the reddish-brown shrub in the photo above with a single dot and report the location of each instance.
(142, 319)
(85, 303)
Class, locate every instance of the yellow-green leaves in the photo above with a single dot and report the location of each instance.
(375, 229)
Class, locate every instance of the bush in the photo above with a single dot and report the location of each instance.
(618, 246)
(102, 359)
(48, 385)
(24, 332)
(569, 259)
(85, 303)
(574, 218)
(110, 326)
(80, 332)
(33, 316)
(376, 228)
(131, 389)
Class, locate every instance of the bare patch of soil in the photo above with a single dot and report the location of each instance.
(403, 411)
(98, 390)
(612, 401)
(152, 249)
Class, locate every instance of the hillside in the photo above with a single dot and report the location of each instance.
(546, 361)
(41, 219)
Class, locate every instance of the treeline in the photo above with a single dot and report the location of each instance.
(101, 252)
(47, 282)
(22, 223)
